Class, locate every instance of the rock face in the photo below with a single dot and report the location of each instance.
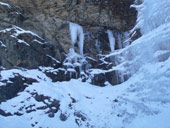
(49, 19)
(107, 13)
(36, 33)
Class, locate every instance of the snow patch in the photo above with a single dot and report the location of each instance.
(2, 44)
(5, 4)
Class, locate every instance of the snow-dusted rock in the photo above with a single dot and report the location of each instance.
(21, 48)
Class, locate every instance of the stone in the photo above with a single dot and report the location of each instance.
(113, 77)
(63, 117)
(98, 79)
(80, 115)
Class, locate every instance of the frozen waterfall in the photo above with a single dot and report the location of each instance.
(77, 36)
(111, 40)
(152, 14)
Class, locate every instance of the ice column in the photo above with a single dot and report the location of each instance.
(111, 40)
(77, 36)
(119, 42)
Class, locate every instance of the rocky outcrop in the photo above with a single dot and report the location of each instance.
(20, 48)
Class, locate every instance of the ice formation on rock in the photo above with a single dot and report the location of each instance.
(77, 36)
(111, 40)
(152, 14)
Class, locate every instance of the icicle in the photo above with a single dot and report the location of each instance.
(119, 38)
(111, 40)
(126, 39)
(77, 36)
(98, 47)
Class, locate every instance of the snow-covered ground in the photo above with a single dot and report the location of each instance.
(141, 102)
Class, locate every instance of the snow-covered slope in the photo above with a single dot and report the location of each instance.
(143, 101)
(139, 102)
